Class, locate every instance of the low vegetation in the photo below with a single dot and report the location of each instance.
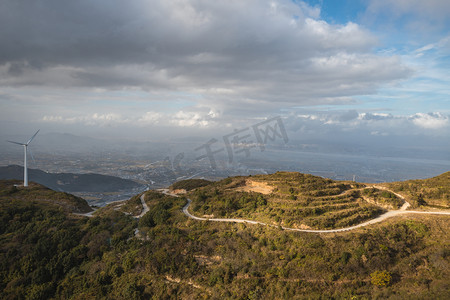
(189, 184)
(47, 253)
(132, 207)
(296, 200)
(428, 192)
(162, 208)
(381, 278)
(383, 198)
(13, 189)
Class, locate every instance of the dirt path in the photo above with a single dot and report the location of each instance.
(136, 230)
(89, 214)
(378, 219)
(144, 205)
(137, 233)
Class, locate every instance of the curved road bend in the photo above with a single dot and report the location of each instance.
(144, 210)
(378, 219)
(144, 205)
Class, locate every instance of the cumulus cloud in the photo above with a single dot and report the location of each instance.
(375, 116)
(184, 118)
(94, 119)
(376, 124)
(150, 117)
(268, 53)
(189, 119)
(430, 120)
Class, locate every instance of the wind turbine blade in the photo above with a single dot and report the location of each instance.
(32, 156)
(29, 141)
(16, 143)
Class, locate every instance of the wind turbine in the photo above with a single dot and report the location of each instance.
(25, 146)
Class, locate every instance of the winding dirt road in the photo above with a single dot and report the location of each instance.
(144, 205)
(378, 219)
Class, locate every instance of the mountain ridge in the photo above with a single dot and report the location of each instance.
(70, 182)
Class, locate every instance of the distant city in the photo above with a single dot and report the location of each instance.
(156, 166)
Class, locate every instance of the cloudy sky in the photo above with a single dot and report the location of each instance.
(371, 67)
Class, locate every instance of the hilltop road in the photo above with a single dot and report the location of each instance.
(378, 219)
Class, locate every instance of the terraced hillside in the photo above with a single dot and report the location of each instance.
(293, 200)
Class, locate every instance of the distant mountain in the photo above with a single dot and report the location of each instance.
(69, 182)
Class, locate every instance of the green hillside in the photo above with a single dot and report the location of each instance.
(428, 192)
(293, 199)
(48, 253)
(131, 207)
(189, 184)
(11, 190)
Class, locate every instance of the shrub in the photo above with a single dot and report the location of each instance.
(381, 278)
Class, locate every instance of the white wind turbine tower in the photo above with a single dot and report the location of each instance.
(25, 146)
